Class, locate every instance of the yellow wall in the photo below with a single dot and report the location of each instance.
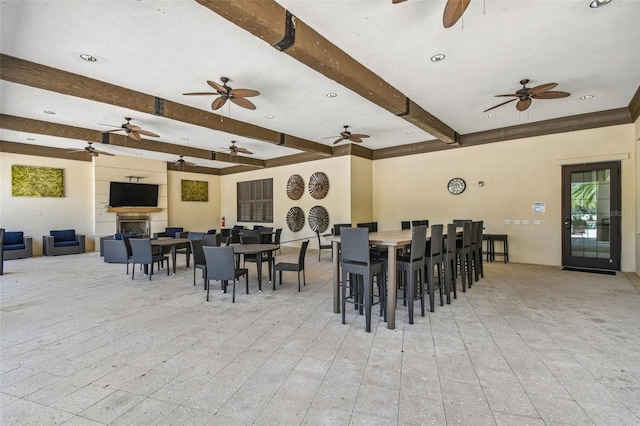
(637, 211)
(36, 216)
(361, 190)
(196, 216)
(337, 202)
(515, 174)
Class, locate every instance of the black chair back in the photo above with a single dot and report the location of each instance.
(141, 251)
(436, 240)
(337, 227)
(355, 245)
(405, 224)
(220, 263)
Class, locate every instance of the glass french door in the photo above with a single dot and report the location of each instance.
(590, 208)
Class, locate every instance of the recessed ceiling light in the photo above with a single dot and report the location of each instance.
(409, 132)
(490, 115)
(88, 58)
(30, 139)
(184, 139)
(269, 117)
(331, 95)
(50, 112)
(437, 58)
(597, 3)
(586, 97)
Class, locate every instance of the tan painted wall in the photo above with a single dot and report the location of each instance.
(637, 212)
(515, 175)
(196, 216)
(116, 169)
(361, 190)
(337, 202)
(37, 216)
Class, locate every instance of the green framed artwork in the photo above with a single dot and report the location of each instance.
(195, 190)
(34, 181)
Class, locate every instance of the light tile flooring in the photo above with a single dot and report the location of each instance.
(83, 344)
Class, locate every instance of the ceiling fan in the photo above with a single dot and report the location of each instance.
(181, 162)
(453, 11)
(89, 149)
(237, 96)
(132, 131)
(526, 94)
(234, 149)
(348, 136)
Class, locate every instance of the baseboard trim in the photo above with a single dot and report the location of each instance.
(591, 270)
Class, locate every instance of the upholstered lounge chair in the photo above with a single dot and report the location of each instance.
(16, 245)
(61, 242)
(169, 232)
(116, 250)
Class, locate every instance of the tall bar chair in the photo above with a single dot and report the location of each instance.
(358, 263)
(411, 268)
(433, 262)
(464, 255)
(449, 258)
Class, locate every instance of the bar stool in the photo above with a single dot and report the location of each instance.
(464, 255)
(411, 268)
(357, 262)
(450, 262)
(505, 247)
(487, 238)
(434, 261)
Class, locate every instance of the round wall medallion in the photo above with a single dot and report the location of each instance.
(456, 186)
(318, 218)
(295, 219)
(295, 187)
(318, 185)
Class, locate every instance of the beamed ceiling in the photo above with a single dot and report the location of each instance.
(373, 55)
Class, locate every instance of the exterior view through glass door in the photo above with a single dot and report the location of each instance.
(590, 209)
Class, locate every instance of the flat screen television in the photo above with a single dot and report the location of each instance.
(126, 194)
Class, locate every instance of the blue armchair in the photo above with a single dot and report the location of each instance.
(60, 242)
(169, 232)
(16, 245)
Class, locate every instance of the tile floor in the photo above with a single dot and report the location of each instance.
(83, 344)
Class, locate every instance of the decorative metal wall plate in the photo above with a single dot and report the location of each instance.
(318, 185)
(295, 219)
(295, 187)
(318, 219)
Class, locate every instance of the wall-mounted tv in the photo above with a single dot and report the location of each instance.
(126, 194)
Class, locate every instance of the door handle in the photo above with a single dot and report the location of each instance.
(567, 224)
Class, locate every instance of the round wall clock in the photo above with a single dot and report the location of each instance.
(456, 186)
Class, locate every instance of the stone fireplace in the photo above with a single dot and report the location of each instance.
(134, 223)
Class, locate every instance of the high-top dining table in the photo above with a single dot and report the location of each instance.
(174, 243)
(394, 240)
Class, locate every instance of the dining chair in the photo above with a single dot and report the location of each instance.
(294, 267)
(464, 256)
(357, 262)
(433, 262)
(449, 258)
(276, 240)
(338, 226)
(211, 240)
(142, 254)
(199, 261)
(221, 267)
(405, 224)
(323, 246)
(265, 235)
(411, 266)
(476, 247)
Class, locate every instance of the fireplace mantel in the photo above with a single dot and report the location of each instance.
(134, 209)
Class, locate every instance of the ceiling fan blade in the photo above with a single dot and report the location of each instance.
(499, 105)
(358, 135)
(551, 95)
(244, 93)
(217, 86)
(541, 89)
(111, 131)
(354, 138)
(104, 153)
(147, 133)
(243, 150)
(218, 103)
(338, 140)
(511, 94)
(453, 11)
(133, 128)
(134, 135)
(93, 153)
(523, 104)
(345, 135)
(200, 93)
(397, 1)
(245, 103)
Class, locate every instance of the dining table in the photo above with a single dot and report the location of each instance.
(173, 243)
(258, 249)
(394, 240)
